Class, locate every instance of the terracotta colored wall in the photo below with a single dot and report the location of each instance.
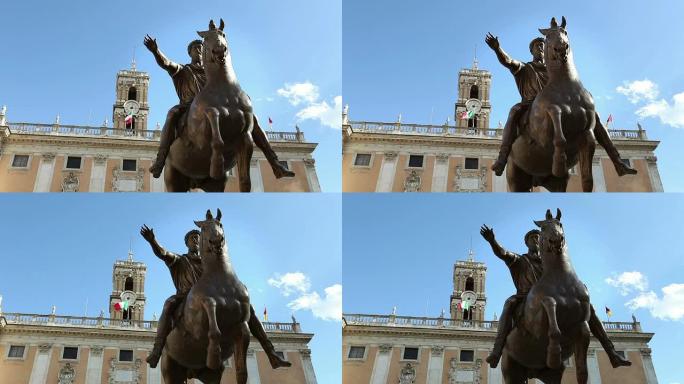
(18, 180)
(420, 366)
(360, 179)
(630, 183)
(290, 375)
(19, 370)
(357, 371)
(451, 176)
(624, 375)
(299, 183)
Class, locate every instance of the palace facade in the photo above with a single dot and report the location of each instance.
(56, 349)
(55, 157)
(391, 349)
(400, 157)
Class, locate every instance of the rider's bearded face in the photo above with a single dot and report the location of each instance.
(538, 51)
(533, 243)
(196, 53)
(193, 243)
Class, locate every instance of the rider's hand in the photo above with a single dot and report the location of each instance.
(147, 233)
(487, 233)
(150, 43)
(492, 41)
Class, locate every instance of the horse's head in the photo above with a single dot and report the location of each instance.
(552, 236)
(557, 45)
(212, 239)
(215, 44)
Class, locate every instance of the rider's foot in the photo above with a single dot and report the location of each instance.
(498, 167)
(156, 168)
(153, 358)
(624, 169)
(618, 361)
(493, 359)
(277, 362)
(280, 171)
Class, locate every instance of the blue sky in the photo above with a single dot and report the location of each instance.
(65, 245)
(405, 59)
(62, 58)
(399, 250)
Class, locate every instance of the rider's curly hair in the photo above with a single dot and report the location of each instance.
(187, 235)
(193, 43)
(530, 233)
(532, 43)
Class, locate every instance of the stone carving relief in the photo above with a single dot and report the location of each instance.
(470, 180)
(128, 181)
(407, 374)
(412, 182)
(465, 372)
(125, 372)
(70, 183)
(66, 374)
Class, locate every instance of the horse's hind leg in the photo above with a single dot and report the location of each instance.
(241, 340)
(216, 170)
(581, 347)
(174, 180)
(214, 334)
(560, 159)
(517, 179)
(512, 371)
(171, 371)
(209, 376)
(244, 154)
(553, 350)
(586, 156)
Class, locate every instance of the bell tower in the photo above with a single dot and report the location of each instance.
(473, 97)
(468, 300)
(131, 100)
(127, 300)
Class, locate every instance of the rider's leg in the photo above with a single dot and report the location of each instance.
(510, 132)
(168, 134)
(257, 329)
(262, 143)
(163, 329)
(553, 350)
(603, 138)
(599, 332)
(505, 326)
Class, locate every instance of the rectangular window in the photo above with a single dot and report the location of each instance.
(129, 165)
(621, 353)
(284, 164)
(410, 353)
(70, 353)
(73, 162)
(472, 163)
(467, 355)
(20, 161)
(280, 354)
(125, 355)
(356, 352)
(626, 162)
(416, 161)
(362, 159)
(16, 352)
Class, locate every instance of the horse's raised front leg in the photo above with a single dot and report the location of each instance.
(586, 156)
(171, 371)
(553, 350)
(581, 347)
(214, 334)
(216, 170)
(560, 159)
(244, 154)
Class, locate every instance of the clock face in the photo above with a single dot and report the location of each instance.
(131, 107)
(473, 105)
(469, 296)
(129, 296)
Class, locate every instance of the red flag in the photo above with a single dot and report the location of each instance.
(610, 118)
(265, 312)
(270, 121)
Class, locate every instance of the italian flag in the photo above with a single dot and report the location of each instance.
(609, 312)
(467, 115)
(128, 120)
(121, 305)
(265, 311)
(466, 305)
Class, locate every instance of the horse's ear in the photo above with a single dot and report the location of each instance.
(209, 215)
(222, 24)
(563, 22)
(548, 214)
(553, 23)
(198, 224)
(544, 31)
(218, 214)
(201, 34)
(538, 223)
(212, 26)
(558, 214)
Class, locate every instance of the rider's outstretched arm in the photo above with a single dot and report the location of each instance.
(161, 59)
(505, 60)
(500, 252)
(168, 257)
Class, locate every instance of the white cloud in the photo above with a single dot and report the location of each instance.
(328, 307)
(627, 282)
(299, 93)
(669, 307)
(290, 282)
(669, 114)
(638, 90)
(327, 115)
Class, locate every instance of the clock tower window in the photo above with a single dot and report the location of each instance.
(128, 285)
(132, 93)
(470, 284)
(474, 92)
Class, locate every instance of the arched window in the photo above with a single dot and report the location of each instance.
(126, 314)
(128, 285)
(474, 92)
(470, 284)
(472, 122)
(133, 93)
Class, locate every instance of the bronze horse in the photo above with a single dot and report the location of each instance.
(213, 324)
(554, 324)
(217, 131)
(560, 125)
